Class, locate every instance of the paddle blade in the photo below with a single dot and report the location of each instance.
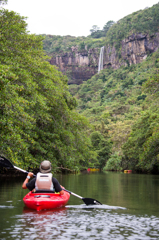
(4, 162)
(91, 201)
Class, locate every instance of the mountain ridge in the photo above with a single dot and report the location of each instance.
(129, 41)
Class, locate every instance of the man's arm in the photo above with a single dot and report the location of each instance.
(30, 174)
(57, 186)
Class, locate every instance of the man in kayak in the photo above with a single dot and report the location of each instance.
(44, 180)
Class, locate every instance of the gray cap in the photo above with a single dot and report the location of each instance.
(45, 166)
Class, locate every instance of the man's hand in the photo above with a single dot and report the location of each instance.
(30, 174)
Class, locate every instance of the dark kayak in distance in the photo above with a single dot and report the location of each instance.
(42, 201)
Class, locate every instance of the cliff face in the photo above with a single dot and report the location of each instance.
(80, 66)
(134, 49)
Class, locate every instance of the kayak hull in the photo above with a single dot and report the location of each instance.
(41, 201)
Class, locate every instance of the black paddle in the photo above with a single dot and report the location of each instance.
(87, 201)
(4, 162)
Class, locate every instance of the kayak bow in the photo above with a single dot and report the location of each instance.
(41, 201)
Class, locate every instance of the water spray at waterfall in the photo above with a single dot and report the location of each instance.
(100, 64)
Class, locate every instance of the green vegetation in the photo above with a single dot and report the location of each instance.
(113, 163)
(123, 106)
(140, 22)
(37, 112)
(102, 147)
(117, 102)
(96, 33)
(58, 44)
(143, 22)
(110, 121)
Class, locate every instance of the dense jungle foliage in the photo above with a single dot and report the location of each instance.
(123, 106)
(58, 44)
(37, 113)
(111, 121)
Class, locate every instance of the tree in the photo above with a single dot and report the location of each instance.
(95, 28)
(37, 112)
(113, 163)
(142, 148)
(102, 147)
(107, 26)
(95, 32)
(149, 158)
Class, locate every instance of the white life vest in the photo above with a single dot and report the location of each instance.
(44, 182)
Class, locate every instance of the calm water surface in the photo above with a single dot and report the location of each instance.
(130, 209)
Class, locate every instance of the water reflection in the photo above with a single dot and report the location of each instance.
(83, 223)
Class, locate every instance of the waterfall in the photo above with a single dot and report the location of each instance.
(100, 64)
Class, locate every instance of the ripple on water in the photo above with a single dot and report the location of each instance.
(103, 206)
(83, 223)
(4, 206)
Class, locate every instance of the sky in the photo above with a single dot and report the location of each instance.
(72, 17)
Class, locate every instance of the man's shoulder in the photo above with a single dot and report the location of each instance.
(54, 180)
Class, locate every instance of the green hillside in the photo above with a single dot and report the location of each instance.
(123, 106)
(57, 44)
(144, 21)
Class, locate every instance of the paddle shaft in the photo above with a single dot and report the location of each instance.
(22, 170)
(72, 193)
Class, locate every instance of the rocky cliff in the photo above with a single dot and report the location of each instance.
(80, 66)
(134, 49)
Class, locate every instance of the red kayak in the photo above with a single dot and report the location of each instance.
(40, 201)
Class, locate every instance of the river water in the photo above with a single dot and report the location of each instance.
(130, 209)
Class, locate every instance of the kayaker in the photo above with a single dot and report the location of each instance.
(43, 181)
